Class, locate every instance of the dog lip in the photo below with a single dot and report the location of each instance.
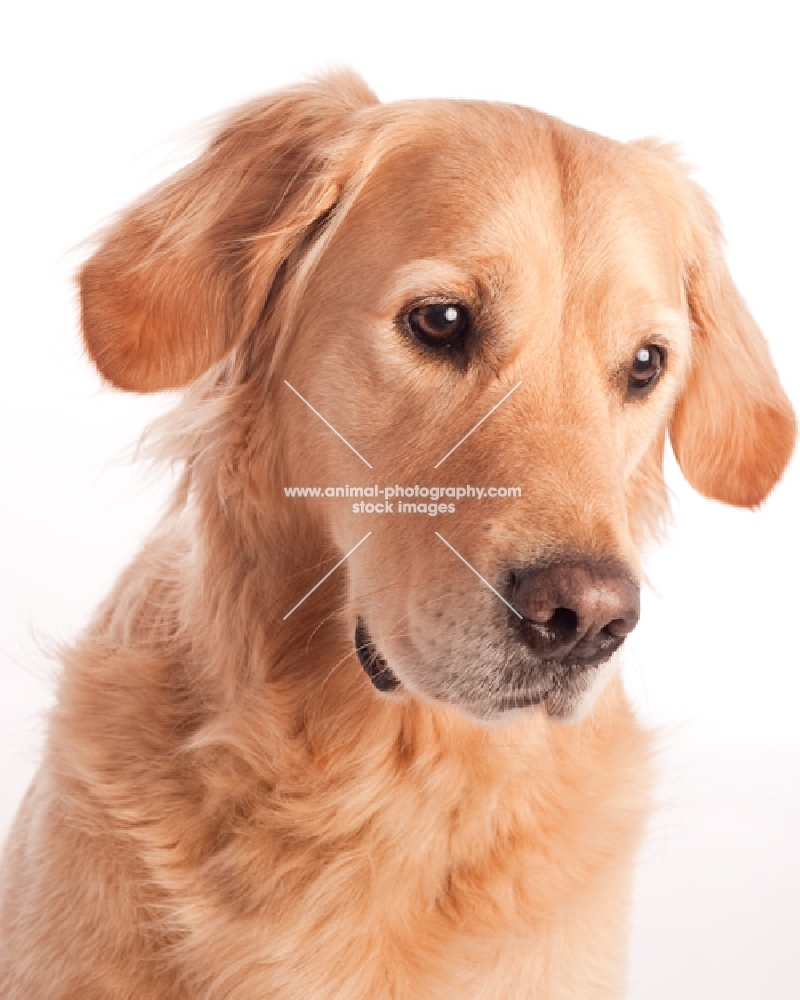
(573, 662)
(587, 662)
(508, 702)
(375, 666)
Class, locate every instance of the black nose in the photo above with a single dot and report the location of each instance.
(575, 612)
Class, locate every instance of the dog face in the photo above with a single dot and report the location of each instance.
(406, 269)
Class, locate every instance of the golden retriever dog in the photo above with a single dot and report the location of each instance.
(314, 748)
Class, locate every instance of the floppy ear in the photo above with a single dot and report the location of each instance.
(733, 429)
(183, 275)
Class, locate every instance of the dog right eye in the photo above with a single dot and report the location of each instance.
(441, 325)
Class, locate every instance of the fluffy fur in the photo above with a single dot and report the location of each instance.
(227, 809)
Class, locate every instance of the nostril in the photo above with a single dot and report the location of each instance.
(618, 629)
(552, 635)
(564, 623)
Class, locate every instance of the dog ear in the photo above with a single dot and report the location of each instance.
(183, 274)
(733, 428)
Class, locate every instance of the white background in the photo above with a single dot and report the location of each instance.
(99, 102)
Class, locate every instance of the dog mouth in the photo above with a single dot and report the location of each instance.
(509, 702)
(562, 682)
(375, 666)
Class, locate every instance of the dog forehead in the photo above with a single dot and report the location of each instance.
(451, 172)
(479, 182)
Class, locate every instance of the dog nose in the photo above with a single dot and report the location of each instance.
(579, 612)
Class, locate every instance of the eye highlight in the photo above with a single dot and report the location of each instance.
(441, 325)
(646, 369)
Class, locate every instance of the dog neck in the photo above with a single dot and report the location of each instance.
(279, 736)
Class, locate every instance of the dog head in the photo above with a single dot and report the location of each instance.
(441, 295)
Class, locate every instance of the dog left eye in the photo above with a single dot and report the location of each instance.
(441, 324)
(646, 368)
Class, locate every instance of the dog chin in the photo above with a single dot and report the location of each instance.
(568, 703)
(574, 703)
(565, 695)
(560, 706)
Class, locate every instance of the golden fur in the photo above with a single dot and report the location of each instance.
(227, 808)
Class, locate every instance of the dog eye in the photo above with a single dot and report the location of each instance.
(646, 369)
(443, 325)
